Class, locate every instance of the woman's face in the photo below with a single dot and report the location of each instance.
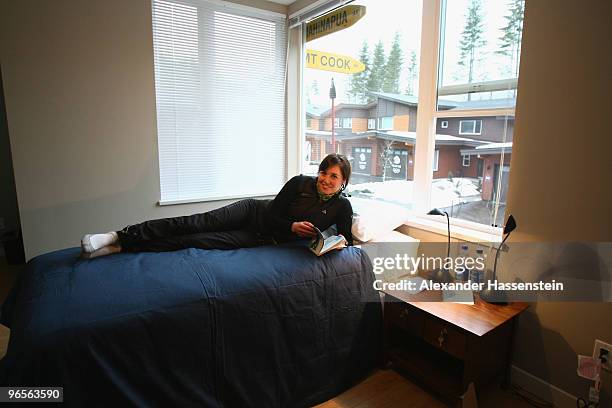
(330, 180)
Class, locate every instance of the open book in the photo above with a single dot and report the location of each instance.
(325, 242)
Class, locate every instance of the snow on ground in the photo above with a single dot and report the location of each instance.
(444, 193)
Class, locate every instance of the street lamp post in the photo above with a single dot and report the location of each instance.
(332, 96)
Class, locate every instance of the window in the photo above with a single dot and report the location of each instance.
(470, 127)
(385, 123)
(347, 123)
(383, 159)
(216, 114)
(436, 159)
(309, 123)
(478, 70)
(472, 81)
(343, 123)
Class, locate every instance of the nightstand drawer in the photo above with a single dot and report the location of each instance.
(405, 317)
(445, 337)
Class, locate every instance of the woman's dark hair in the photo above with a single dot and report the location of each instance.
(342, 162)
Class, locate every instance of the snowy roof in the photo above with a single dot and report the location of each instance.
(495, 145)
(396, 135)
(442, 139)
(485, 104)
(410, 99)
(489, 148)
(315, 110)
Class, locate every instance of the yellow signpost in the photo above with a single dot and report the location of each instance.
(334, 21)
(333, 62)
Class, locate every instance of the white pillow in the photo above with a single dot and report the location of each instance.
(374, 219)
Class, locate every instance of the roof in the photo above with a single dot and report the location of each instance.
(489, 148)
(413, 101)
(485, 104)
(445, 103)
(397, 136)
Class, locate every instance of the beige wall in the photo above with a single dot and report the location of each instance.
(565, 76)
(80, 99)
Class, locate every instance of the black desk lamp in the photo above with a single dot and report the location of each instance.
(441, 274)
(499, 297)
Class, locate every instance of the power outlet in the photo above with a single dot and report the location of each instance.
(597, 350)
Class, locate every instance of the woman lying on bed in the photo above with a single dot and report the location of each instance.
(304, 202)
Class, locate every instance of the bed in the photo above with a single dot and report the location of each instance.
(271, 326)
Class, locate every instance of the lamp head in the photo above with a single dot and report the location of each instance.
(435, 211)
(510, 225)
(332, 90)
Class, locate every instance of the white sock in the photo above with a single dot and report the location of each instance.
(93, 242)
(107, 250)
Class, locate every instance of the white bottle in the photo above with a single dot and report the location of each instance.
(462, 273)
(477, 274)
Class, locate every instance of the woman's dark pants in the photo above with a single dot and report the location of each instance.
(238, 225)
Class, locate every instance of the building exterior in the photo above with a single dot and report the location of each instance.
(380, 139)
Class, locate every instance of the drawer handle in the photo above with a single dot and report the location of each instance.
(442, 337)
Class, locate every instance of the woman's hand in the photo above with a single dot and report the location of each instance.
(303, 229)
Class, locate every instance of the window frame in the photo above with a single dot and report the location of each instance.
(444, 124)
(380, 123)
(427, 116)
(373, 122)
(469, 160)
(475, 121)
(436, 160)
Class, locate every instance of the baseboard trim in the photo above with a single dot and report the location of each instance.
(543, 389)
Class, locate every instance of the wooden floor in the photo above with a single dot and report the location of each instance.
(388, 389)
(384, 389)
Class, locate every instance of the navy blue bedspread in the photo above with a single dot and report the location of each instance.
(256, 327)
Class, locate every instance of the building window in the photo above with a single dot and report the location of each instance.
(385, 123)
(436, 159)
(343, 123)
(444, 124)
(466, 160)
(308, 123)
(212, 128)
(371, 124)
(470, 127)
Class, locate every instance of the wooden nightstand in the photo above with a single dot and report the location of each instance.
(446, 346)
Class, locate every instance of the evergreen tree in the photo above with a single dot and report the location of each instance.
(412, 74)
(358, 85)
(472, 38)
(512, 33)
(377, 71)
(393, 67)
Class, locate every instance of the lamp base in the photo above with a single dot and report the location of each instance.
(495, 297)
(440, 275)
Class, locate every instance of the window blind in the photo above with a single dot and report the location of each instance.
(220, 99)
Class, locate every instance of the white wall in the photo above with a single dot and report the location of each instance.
(80, 99)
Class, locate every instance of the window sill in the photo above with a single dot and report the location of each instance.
(458, 232)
